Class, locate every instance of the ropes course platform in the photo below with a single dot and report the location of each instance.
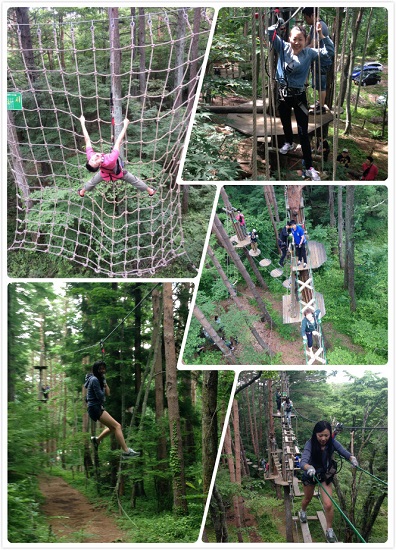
(317, 256)
(244, 123)
(287, 308)
(238, 243)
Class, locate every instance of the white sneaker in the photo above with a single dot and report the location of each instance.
(305, 265)
(298, 263)
(286, 148)
(313, 174)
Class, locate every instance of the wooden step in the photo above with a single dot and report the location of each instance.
(322, 519)
(296, 487)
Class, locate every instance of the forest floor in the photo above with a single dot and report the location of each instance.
(292, 350)
(72, 518)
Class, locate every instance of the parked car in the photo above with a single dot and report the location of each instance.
(373, 67)
(368, 79)
(376, 65)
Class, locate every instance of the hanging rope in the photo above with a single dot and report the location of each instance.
(115, 230)
(103, 340)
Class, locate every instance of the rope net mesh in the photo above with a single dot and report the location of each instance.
(106, 64)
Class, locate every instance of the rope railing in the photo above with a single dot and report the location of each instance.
(348, 521)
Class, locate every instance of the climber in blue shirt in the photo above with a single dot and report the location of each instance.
(299, 242)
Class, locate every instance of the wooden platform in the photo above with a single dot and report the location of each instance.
(244, 124)
(254, 253)
(265, 262)
(287, 318)
(277, 272)
(238, 243)
(316, 256)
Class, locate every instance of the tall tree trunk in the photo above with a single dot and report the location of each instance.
(162, 486)
(142, 54)
(194, 52)
(218, 515)
(349, 272)
(356, 22)
(209, 426)
(229, 356)
(179, 59)
(255, 269)
(332, 216)
(235, 298)
(269, 199)
(231, 469)
(224, 240)
(341, 256)
(176, 450)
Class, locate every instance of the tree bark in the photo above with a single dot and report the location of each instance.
(142, 55)
(223, 239)
(229, 356)
(356, 22)
(349, 272)
(176, 450)
(341, 256)
(209, 426)
(231, 469)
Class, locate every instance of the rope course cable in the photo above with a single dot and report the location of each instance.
(151, 63)
(103, 340)
(348, 521)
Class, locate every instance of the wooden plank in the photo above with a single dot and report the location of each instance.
(291, 464)
(296, 487)
(296, 450)
(244, 124)
(309, 518)
(322, 519)
(305, 533)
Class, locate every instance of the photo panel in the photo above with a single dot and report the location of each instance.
(311, 103)
(107, 441)
(294, 274)
(304, 459)
(99, 101)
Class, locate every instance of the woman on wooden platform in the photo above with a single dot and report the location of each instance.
(294, 63)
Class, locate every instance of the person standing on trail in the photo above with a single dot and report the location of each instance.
(310, 327)
(317, 462)
(299, 242)
(97, 390)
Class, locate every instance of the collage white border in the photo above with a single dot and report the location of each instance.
(5, 280)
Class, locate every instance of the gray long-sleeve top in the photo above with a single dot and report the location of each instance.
(95, 394)
(306, 457)
(301, 63)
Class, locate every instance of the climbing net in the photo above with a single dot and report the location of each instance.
(143, 64)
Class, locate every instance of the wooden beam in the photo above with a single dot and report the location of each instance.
(322, 519)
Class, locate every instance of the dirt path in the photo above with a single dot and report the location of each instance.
(72, 517)
(292, 351)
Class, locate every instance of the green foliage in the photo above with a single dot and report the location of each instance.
(25, 523)
(206, 159)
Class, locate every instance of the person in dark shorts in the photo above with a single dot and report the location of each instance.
(317, 460)
(97, 390)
